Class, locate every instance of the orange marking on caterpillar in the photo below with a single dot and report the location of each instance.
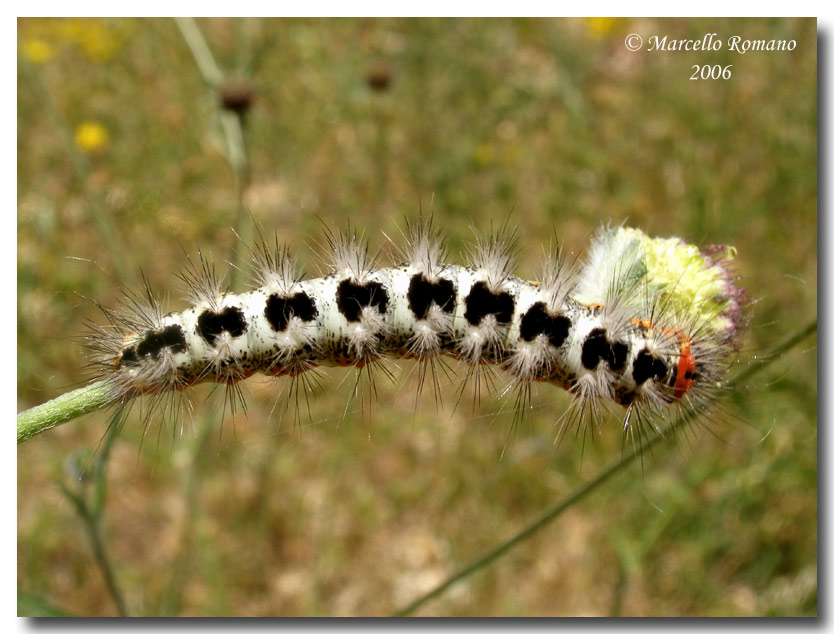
(686, 368)
(686, 363)
(645, 323)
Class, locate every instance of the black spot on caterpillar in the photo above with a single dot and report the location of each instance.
(351, 298)
(280, 309)
(211, 325)
(422, 292)
(536, 322)
(647, 367)
(482, 302)
(170, 337)
(597, 348)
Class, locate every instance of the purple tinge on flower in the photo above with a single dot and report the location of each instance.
(734, 297)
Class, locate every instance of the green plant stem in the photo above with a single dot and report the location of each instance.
(776, 353)
(578, 494)
(232, 124)
(90, 507)
(209, 69)
(182, 566)
(94, 531)
(233, 127)
(62, 409)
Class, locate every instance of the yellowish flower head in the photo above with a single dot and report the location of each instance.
(689, 280)
(91, 137)
(37, 50)
(98, 39)
(599, 28)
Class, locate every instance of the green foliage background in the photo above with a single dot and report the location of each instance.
(554, 122)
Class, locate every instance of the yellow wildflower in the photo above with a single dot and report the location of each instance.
(36, 50)
(98, 39)
(91, 137)
(601, 27)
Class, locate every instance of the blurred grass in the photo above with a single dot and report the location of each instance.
(367, 120)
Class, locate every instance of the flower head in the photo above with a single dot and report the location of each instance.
(37, 50)
(91, 137)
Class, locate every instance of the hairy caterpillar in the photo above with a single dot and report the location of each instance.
(646, 323)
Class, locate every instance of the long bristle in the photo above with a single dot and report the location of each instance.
(494, 255)
(202, 284)
(425, 249)
(349, 255)
(274, 266)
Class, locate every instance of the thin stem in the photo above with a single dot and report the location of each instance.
(182, 566)
(233, 127)
(94, 531)
(776, 353)
(553, 512)
(543, 520)
(209, 69)
(92, 510)
(63, 409)
(232, 124)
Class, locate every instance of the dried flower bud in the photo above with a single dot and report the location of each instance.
(237, 94)
(379, 76)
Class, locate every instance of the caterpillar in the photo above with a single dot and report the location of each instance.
(649, 324)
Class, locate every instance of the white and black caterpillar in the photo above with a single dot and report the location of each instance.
(646, 323)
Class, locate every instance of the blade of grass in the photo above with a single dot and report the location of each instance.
(578, 494)
(232, 125)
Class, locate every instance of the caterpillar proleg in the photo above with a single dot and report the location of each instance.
(649, 324)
